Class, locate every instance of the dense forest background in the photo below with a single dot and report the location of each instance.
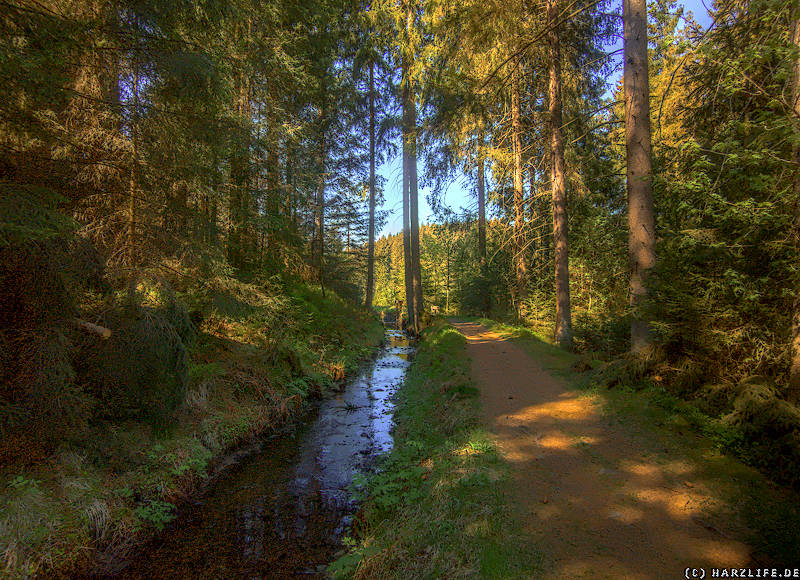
(180, 176)
(724, 115)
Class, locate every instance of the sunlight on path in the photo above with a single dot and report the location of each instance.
(596, 500)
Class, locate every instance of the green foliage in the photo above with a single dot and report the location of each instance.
(30, 214)
(55, 406)
(141, 371)
(156, 513)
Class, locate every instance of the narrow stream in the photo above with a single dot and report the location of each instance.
(281, 512)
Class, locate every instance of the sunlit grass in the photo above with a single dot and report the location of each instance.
(439, 507)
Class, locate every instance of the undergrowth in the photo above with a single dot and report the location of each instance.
(437, 507)
(254, 353)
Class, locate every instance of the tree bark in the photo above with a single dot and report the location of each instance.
(641, 215)
(133, 185)
(794, 371)
(563, 331)
(533, 218)
(272, 203)
(482, 233)
(481, 213)
(416, 265)
(371, 242)
(406, 200)
(239, 178)
(319, 218)
(413, 268)
(520, 268)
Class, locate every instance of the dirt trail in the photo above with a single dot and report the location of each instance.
(599, 502)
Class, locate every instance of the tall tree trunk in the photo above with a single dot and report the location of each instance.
(272, 203)
(371, 243)
(134, 182)
(481, 212)
(563, 333)
(410, 107)
(482, 233)
(413, 270)
(641, 215)
(291, 188)
(239, 179)
(409, 284)
(520, 268)
(133, 187)
(416, 265)
(533, 218)
(794, 371)
(319, 205)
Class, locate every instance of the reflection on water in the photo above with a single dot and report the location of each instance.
(281, 513)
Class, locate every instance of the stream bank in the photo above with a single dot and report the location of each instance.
(281, 512)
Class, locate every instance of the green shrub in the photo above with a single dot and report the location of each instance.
(156, 513)
(45, 387)
(609, 336)
(141, 371)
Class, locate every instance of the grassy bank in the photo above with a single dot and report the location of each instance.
(765, 514)
(261, 350)
(438, 506)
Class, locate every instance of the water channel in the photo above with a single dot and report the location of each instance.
(281, 512)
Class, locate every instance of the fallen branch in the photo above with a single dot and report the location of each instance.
(102, 331)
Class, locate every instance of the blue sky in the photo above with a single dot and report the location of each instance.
(458, 194)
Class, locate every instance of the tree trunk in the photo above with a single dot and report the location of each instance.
(133, 185)
(481, 213)
(794, 372)
(533, 217)
(319, 217)
(520, 268)
(410, 109)
(563, 332)
(272, 203)
(482, 234)
(416, 265)
(641, 218)
(239, 178)
(406, 200)
(371, 243)
(291, 188)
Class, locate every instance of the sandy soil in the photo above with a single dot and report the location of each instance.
(599, 501)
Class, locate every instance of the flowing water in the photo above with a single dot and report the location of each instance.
(282, 511)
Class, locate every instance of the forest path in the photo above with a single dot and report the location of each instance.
(599, 501)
